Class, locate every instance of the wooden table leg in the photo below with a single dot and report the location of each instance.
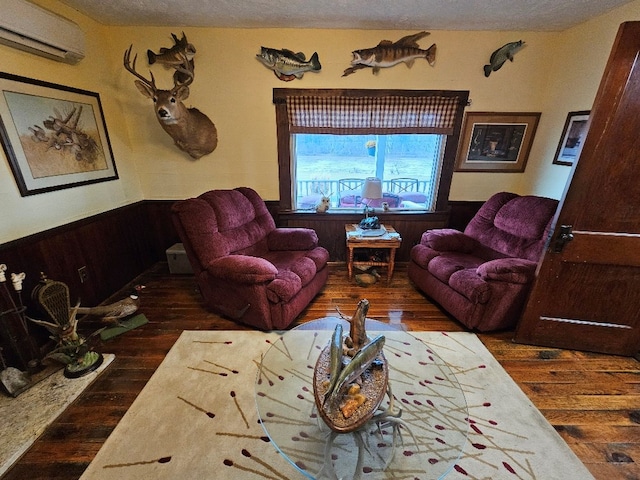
(350, 262)
(392, 259)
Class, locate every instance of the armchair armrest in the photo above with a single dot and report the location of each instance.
(242, 269)
(422, 255)
(512, 270)
(292, 239)
(448, 240)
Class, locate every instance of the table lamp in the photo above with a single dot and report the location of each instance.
(371, 190)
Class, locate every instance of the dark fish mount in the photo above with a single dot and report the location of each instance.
(288, 65)
(501, 55)
(174, 57)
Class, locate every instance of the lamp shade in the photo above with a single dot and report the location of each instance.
(372, 188)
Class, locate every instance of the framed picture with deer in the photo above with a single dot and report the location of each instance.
(53, 136)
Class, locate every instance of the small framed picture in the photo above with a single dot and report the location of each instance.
(572, 139)
(54, 136)
(496, 142)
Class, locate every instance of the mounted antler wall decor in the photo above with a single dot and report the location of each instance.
(191, 130)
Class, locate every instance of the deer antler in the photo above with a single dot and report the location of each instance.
(131, 67)
(186, 67)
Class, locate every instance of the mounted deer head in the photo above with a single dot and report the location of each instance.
(191, 130)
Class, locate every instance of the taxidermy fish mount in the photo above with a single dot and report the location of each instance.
(173, 57)
(387, 54)
(287, 65)
(501, 55)
(192, 131)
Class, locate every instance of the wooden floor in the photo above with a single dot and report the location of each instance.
(592, 400)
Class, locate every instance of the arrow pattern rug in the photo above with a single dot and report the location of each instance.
(197, 417)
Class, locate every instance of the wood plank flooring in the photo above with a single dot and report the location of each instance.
(592, 400)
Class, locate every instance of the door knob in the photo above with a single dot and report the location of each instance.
(564, 237)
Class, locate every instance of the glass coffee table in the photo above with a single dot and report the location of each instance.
(424, 442)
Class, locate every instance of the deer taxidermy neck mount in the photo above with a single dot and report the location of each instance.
(191, 130)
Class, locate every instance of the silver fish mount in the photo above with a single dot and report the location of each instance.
(351, 376)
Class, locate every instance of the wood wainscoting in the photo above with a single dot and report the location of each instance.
(330, 228)
(114, 246)
(119, 244)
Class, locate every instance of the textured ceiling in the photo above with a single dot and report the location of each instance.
(514, 15)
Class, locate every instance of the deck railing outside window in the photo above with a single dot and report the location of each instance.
(406, 193)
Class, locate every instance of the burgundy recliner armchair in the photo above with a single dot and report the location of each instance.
(246, 268)
(483, 276)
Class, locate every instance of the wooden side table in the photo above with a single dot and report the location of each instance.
(389, 241)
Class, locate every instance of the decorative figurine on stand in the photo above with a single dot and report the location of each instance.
(71, 347)
(113, 313)
(369, 223)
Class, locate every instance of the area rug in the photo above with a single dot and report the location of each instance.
(26, 417)
(197, 417)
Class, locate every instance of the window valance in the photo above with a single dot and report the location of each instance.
(360, 112)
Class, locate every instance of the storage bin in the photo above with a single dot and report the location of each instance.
(177, 259)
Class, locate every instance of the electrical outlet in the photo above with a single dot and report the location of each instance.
(82, 273)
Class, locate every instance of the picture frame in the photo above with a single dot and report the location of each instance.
(496, 141)
(572, 138)
(54, 136)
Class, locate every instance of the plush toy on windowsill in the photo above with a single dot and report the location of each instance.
(323, 206)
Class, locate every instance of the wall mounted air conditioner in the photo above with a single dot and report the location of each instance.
(31, 28)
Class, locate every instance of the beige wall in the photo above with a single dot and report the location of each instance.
(235, 90)
(553, 74)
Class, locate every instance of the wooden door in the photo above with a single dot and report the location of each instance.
(587, 293)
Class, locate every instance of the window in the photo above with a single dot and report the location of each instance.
(330, 141)
(337, 165)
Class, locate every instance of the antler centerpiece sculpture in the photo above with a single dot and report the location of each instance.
(351, 376)
(350, 383)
